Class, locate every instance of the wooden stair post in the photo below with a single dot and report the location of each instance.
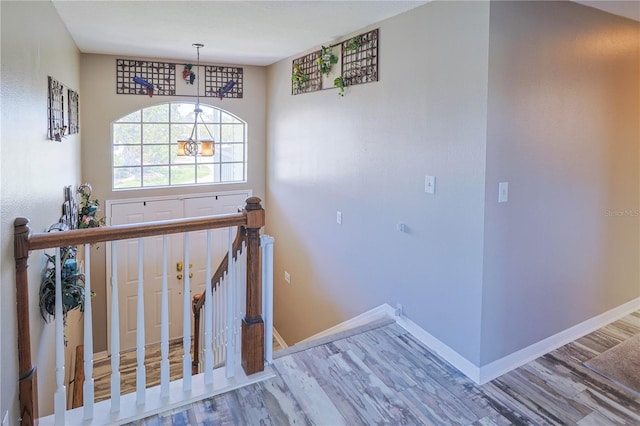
(27, 382)
(252, 323)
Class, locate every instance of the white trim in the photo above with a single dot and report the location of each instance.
(279, 339)
(482, 375)
(439, 348)
(512, 361)
(377, 313)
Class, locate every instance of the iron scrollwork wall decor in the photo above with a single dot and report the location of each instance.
(57, 126)
(358, 65)
(74, 122)
(360, 59)
(136, 77)
(305, 74)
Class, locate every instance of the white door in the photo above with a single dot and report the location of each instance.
(139, 212)
(205, 206)
(154, 210)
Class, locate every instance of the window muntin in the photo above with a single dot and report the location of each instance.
(144, 152)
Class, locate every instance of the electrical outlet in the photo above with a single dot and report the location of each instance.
(399, 310)
(287, 277)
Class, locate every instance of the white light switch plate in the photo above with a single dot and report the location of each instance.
(339, 218)
(430, 184)
(503, 192)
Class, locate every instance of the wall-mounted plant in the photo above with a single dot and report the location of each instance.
(340, 83)
(354, 43)
(326, 60)
(72, 285)
(298, 77)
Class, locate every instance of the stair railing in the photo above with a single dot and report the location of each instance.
(167, 395)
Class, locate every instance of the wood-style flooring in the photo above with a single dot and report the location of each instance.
(384, 376)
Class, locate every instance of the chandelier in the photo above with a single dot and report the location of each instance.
(196, 145)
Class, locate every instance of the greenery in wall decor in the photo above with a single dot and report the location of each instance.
(298, 77)
(326, 60)
(340, 84)
(354, 43)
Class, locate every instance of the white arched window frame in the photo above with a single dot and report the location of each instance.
(144, 148)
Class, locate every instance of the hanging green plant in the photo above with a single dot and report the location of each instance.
(72, 285)
(298, 77)
(326, 60)
(354, 43)
(340, 83)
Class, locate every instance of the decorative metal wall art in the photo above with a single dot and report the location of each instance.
(360, 59)
(358, 65)
(74, 121)
(223, 82)
(134, 77)
(305, 74)
(57, 126)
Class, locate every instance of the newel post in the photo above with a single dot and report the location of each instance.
(27, 383)
(252, 323)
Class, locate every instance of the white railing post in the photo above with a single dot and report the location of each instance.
(266, 242)
(208, 318)
(115, 332)
(164, 325)
(230, 355)
(88, 386)
(186, 326)
(141, 372)
(60, 398)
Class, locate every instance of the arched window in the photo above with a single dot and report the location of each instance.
(144, 147)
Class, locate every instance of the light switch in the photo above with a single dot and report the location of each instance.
(503, 192)
(339, 217)
(430, 184)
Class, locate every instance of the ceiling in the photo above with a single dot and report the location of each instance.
(233, 32)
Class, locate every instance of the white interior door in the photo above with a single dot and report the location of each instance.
(138, 212)
(205, 206)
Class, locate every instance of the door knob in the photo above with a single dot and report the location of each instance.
(179, 276)
(190, 274)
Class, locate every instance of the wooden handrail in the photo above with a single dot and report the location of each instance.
(134, 230)
(250, 219)
(198, 299)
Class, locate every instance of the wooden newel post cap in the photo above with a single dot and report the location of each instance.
(255, 213)
(253, 203)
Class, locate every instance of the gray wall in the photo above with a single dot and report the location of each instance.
(35, 44)
(563, 131)
(366, 155)
(543, 95)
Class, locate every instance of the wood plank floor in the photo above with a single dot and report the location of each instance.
(384, 376)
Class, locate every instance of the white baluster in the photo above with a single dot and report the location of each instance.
(60, 397)
(88, 386)
(266, 242)
(230, 361)
(164, 325)
(141, 372)
(208, 318)
(186, 326)
(115, 332)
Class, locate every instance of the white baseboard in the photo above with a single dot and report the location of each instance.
(512, 361)
(380, 312)
(279, 339)
(481, 375)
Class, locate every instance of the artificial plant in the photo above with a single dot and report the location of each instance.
(326, 60)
